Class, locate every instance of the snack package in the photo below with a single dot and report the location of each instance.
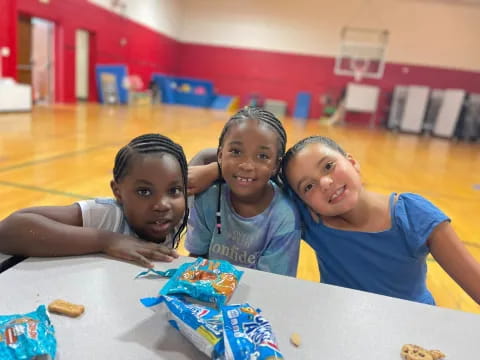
(236, 332)
(211, 281)
(201, 325)
(247, 334)
(23, 337)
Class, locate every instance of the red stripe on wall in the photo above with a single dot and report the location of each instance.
(8, 35)
(281, 76)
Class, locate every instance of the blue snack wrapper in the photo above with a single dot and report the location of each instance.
(247, 334)
(210, 281)
(25, 336)
(201, 325)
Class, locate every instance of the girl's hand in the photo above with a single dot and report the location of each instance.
(126, 247)
(201, 177)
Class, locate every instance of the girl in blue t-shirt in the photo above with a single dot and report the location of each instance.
(247, 219)
(369, 241)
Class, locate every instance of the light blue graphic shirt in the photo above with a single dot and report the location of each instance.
(269, 241)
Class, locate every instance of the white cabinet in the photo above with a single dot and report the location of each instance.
(14, 97)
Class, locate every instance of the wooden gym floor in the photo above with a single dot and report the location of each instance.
(57, 155)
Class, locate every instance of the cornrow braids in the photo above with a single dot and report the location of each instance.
(149, 144)
(295, 149)
(263, 117)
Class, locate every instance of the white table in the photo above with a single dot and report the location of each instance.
(334, 323)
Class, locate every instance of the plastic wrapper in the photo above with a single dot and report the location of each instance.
(236, 332)
(201, 325)
(248, 335)
(209, 281)
(27, 336)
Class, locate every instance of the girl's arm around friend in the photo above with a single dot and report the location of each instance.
(202, 171)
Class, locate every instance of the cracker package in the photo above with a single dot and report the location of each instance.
(247, 334)
(236, 332)
(209, 281)
(26, 336)
(201, 325)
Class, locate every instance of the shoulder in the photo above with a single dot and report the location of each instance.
(417, 217)
(206, 203)
(99, 204)
(210, 194)
(414, 204)
(283, 209)
(102, 213)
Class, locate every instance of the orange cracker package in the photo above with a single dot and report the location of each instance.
(210, 281)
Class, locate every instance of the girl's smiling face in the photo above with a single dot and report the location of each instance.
(249, 157)
(327, 181)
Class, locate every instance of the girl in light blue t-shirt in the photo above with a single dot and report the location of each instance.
(247, 219)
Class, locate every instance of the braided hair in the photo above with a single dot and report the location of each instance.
(263, 117)
(149, 144)
(295, 149)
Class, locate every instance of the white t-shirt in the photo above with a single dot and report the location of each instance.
(107, 214)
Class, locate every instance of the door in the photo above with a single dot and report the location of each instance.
(82, 45)
(35, 57)
(24, 50)
(43, 71)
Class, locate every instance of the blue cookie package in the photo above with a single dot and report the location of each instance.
(247, 334)
(236, 332)
(201, 325)
(26, 336)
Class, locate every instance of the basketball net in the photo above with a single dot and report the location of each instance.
(359, 66)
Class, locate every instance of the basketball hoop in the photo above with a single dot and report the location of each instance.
(359, 66)
(118, 6)
(362, 53)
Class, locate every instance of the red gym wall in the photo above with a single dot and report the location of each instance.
(8, 34)
(234, 71)
(280, 75)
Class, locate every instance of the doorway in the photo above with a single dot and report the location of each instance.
(36, 59)
(82, 64)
